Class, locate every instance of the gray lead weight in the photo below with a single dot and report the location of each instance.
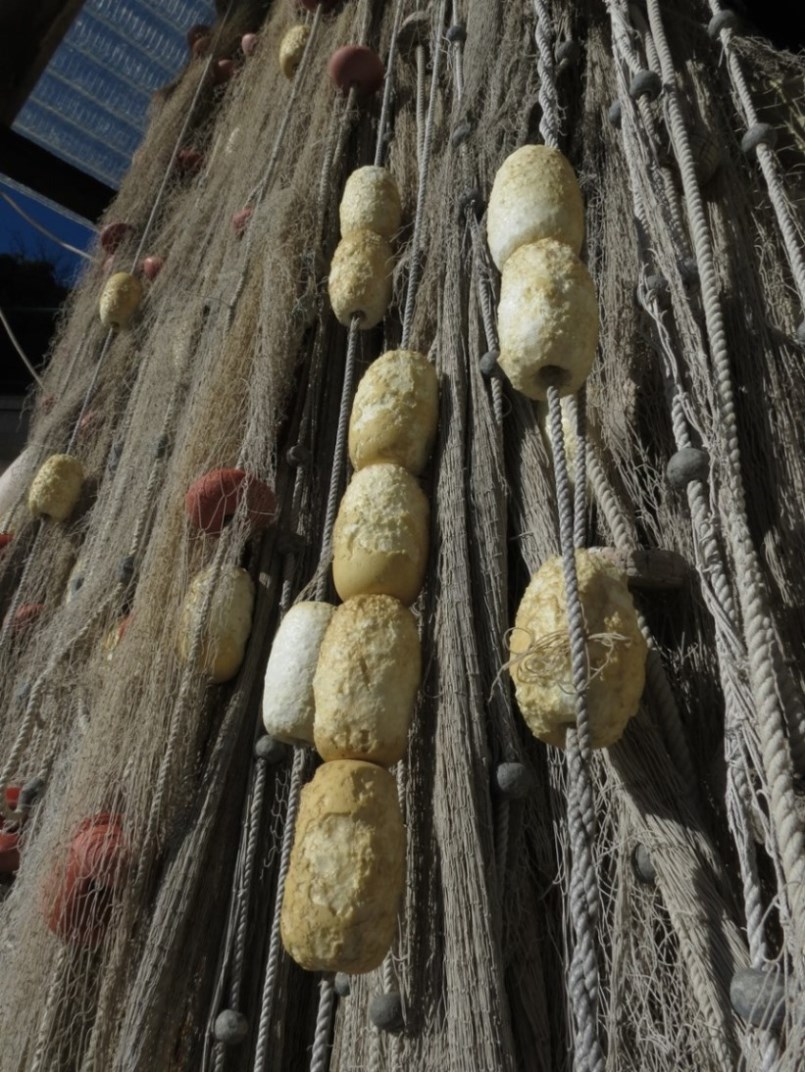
(567, 53)
(270, 750)
(723, 20)
(460, 134)
(30, 793)
(489, 362)
(645, 84)
(686, 465)
(759, 134)
(457, 34)
(615, 114)
(643, 865)
(342, 985)
(386, 1012)
(298, 455)
(689, 270)
(759, 997)
(514, 780)
(125, 569)
(230, 1027)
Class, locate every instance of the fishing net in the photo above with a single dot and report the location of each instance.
(235, 359)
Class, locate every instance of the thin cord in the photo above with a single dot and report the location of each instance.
(41, 227)
(18, 348)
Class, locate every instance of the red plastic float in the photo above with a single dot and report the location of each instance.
(112, 235)
(152, 266)
(189, 161)
(248, 43)
(212, 500)
(5, 540)
(222, 71)
(81, 897)
(356, 67)
(10, 839)
(197, 33)
(25, 615)
(240, 220)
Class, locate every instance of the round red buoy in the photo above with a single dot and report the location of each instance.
(88, 422)
(25, 615)
(197, 32)
(9, 852)
(356, 67)
(201, 46)
(152, 266)
(211, 501)
(222, 71)
(248, 43)
(189, 161)
(12, 796)
(325, 5)
(112, 235)
(240, 220)
(82, 896)
(5, 539)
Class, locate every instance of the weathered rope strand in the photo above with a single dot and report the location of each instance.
(588, 1054)
(751, 590)
(424, 166)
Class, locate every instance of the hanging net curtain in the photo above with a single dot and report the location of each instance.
(410, 878)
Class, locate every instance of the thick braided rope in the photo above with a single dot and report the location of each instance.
(576, 408)
(420, 99)
(320, 1055)
(751, 593)
(719, 597)
(768, 160)
(382, 123)
(483, 287)
(424, 167)
(581, 808)
(274, 945)
(549, 126)
(338, 462)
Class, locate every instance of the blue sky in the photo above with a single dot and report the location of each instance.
(90, 108)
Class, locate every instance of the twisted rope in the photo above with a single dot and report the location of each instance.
(549, 124)
(274, 945)
(588, 1054)
(751, 590)
(338, 461)
(768, 160)
(719, 599)
(424, 164)
(320, 1056)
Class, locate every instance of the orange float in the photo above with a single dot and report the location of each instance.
(81, 898)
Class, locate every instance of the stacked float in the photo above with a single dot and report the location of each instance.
(340, 907)
(361, 269)
(345, 678)
(548, 327)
